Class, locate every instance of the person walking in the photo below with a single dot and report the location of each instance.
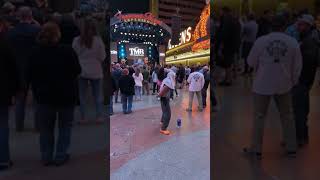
(54, 92)
(146, 78)
(249, 35)
(155, 81)
(277, 60)
(10, 84)
(309, 45)
(116, 74)
(23, 39)
(138, 78)
(127, 89)
(167, 85)
(206, 75)
(91, 52)
(196, 84)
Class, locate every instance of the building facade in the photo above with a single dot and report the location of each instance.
(189, 10)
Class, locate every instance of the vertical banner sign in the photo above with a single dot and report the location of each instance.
(176, 29)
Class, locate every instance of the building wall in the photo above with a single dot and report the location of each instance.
(190, 10)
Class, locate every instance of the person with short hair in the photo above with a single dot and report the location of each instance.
(196, 83)
(127, 89)
(54, 92)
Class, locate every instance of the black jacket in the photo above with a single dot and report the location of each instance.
(53, 72)
(309, 46)
(126, 84)
(8, 73)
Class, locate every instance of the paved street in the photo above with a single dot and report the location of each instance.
(232, 130)
(139, 151)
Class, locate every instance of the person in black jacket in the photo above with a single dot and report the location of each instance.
(54, 70)
(126, 85)
(9, 87)
(23, 40)
(309, 45)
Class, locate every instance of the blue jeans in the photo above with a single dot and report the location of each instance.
(126, 103)
(4, 136)
(47, 117)
(96, 86)
(110, 105)
(137, 91)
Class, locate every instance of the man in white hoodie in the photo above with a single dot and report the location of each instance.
(277, 61)
(196, 83)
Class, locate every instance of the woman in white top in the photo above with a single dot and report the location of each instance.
(138, 78)
(91, 52)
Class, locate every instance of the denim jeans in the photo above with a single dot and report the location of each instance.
(126, 103)
(110, 109)
(4, 136)
(301, 108)
(166, 112)
(137, 91)
(96, 88)
(47, 118)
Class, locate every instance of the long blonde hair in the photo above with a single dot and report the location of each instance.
(88, 31)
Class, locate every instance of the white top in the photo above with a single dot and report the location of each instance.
(277, 61)
(138, 79)
(196, 81)
(90, 59)
(154, 77)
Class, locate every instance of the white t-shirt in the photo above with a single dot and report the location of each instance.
(138, 79)
(196, 81)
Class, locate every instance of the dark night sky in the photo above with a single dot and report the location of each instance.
(129, 6)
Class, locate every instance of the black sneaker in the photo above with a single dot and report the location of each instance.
(5, 166)
(60, 162)
(291, 154)
(251, 153)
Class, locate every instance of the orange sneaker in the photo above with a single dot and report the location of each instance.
(165, 132)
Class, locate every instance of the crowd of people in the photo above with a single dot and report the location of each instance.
(55, 57)
(281, 52)
(136, 80)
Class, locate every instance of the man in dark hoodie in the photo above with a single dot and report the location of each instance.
(309, 45)
(9, 86)
(126, 85)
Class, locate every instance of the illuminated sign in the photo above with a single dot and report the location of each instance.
(185, 37)
(136, 52)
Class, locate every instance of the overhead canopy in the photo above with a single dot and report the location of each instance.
(139, 28)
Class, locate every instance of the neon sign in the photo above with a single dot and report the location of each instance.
(137, 52)
(185, 37)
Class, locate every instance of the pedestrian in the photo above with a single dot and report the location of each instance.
(206, 75)
(54, 92)
(196, 84)
(167, 85)
(91, 52)
(23, 40)
(116, 74)
(309, 45)
(155, 80)
(138, 78)
(112, 92)
(127, 89)
(146, 78)
(10, 81)
(277, 60)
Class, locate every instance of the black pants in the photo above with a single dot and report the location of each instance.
(166, 112)
(301, 108)
(204, 96)
(47, 118)
(155, 87)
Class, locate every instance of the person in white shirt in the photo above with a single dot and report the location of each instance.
(196, 83)
(277, 61)
(91, 53)
(138, 78)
